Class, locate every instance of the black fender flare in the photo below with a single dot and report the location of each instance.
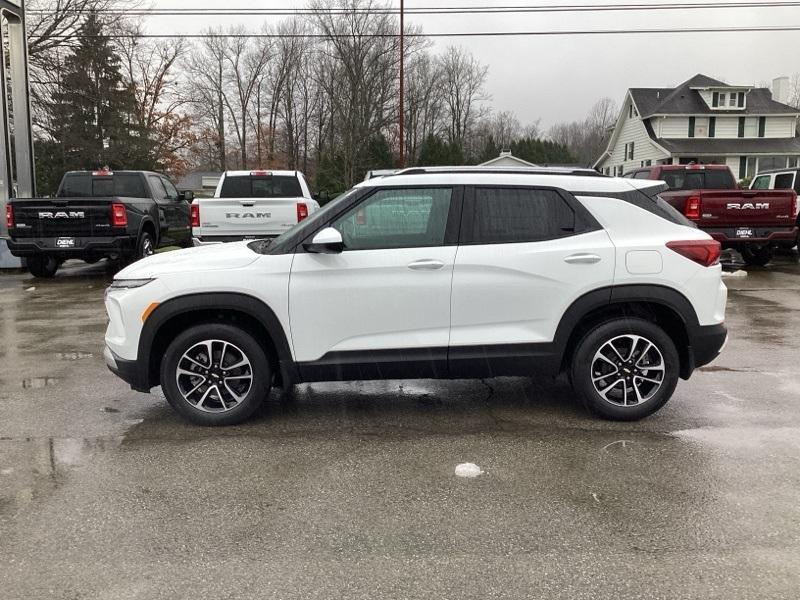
(221, 301)
(624, 294)
(145, 220)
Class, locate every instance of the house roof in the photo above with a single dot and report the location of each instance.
(722, 146)
(506, 159)
(683, 100)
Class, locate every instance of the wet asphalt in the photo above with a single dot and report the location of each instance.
(348, 490)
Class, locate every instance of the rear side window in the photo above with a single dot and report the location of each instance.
(698, 179)
(642, 175)
(273, 186)
(784, 181)
(84, 185)
(509, 215)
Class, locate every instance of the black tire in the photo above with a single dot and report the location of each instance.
(215, 410)
(145, 246)
(755, 255)
(586, 367)
(42, 266)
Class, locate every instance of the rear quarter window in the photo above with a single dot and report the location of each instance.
(248, 186)
(784, 181)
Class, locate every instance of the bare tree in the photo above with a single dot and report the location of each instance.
(587, 139)
(424, 104)
(462, 81)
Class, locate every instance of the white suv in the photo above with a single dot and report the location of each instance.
(433, 273)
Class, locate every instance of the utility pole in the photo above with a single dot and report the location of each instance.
(402, 92)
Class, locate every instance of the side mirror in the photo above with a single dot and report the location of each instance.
(188, 195)
(327, 241)
(321, 197)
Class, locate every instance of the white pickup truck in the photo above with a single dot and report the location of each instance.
(251, 205)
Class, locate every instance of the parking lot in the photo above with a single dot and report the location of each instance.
(348, 490)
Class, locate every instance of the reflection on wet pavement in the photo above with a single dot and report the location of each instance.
(348, 490)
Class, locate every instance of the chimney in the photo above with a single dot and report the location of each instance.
(780, 89)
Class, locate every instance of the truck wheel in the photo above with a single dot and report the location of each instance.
(215, 374)
(42, 266)
(755, 255)
(146, 246)
(625, 369)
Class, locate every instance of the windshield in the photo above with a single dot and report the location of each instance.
(717, 179)
(265, 246)
(261, 186)
(84, 185)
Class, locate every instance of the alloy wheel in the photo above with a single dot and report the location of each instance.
(214, 376)
(627, 370)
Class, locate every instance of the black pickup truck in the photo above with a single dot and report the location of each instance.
(121, 215)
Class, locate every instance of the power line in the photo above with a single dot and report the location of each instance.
(776, 28)
(441, 10)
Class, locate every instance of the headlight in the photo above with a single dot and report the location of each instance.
(128, 283)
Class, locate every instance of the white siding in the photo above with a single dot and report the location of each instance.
(631, 130)
(780, 127)
(727, 127)
(674, 127)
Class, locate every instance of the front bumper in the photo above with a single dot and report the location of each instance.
(127, 370)
(81, 246)
(728, 237)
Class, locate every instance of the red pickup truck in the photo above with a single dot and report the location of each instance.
(753, 222)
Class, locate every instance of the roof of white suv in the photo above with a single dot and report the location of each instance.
(249, 172)
(571, 180)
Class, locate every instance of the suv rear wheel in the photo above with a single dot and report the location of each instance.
(625, 369)
(215, 374)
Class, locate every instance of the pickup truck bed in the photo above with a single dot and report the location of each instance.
(750, 221)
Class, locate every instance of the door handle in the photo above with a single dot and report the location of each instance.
(582, 259)
(244, 203)
(426, 264)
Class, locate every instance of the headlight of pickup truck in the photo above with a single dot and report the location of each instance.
(128, 283)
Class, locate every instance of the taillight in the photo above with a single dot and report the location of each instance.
(692, 207)
(9, 216)
(195, 214)
(119, 216)
(703, 252)
(794, 205)
(302, 211)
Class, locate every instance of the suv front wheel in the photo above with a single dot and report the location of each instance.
(625, 369)
(215, 374)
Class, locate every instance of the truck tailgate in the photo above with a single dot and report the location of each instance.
(721, 208)
(247, 217)
(55, 217)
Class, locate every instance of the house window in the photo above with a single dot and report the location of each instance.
(715, 99)
(691, 127)
(722, 100)
(741, 126)
(632, 111)
(732, 101)
(762, 126)
(712, 126)
(630, 149)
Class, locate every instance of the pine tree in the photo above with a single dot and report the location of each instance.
(95, 108)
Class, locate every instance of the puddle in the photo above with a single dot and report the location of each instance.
(713, 369)
(73, 355)
(39, 382)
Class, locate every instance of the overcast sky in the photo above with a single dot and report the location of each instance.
(557, 78)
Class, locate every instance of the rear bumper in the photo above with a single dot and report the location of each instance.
(82, 245)
(707, 342)
(208, 240)
(127, 370)
(727, 236)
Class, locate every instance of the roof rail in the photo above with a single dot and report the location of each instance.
(579, 171)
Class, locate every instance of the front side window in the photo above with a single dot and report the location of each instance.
(511, 215)
(761, 183)
(396, 218)
(172, 193)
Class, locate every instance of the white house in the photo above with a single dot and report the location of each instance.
(506, 159)
(705, 121)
